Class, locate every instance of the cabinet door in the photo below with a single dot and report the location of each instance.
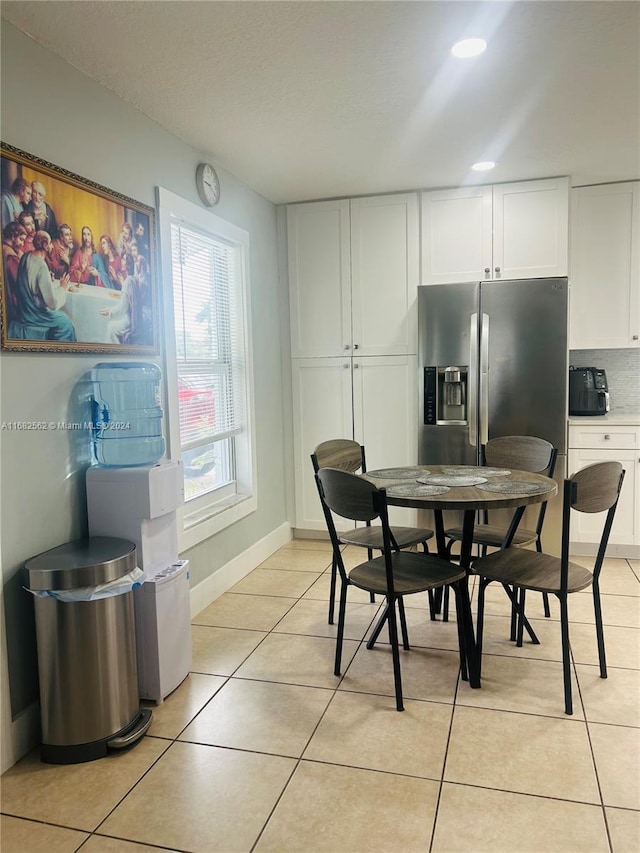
(531, 229)
(319, 278)
(456, 235)
(587, 527)
(322, 409)
(604, 309)
(385, 395)
(384, 274)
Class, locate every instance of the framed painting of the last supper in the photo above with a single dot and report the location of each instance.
(78, 263)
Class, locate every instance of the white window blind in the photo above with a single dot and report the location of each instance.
(209, 351)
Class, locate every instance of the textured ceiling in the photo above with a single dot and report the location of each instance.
(305, 100)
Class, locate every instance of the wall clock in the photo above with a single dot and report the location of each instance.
(207, 184)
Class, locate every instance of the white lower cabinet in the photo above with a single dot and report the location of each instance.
(590, 444)
(370, 399)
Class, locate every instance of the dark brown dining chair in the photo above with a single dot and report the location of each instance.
(593, 489)
(347, 455)
(395, 574)
(524, 453)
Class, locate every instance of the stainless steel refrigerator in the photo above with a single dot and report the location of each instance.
(493, 361)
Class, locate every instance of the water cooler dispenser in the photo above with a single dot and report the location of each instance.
(139, 503)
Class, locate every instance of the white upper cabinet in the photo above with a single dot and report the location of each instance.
(503, 231)
(531, 229)
(353, 276)
(604, 301)
(456, 235)
(384, 274)
(319, 278)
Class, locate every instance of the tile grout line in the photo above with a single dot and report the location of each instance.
(593, 755)
(315, 728)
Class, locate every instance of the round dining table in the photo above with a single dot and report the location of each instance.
(463, 487)
(466, 488)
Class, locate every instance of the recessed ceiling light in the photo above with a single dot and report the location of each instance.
(483, 166)
(468, 47)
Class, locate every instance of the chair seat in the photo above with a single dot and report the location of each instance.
(529, 569)
(371, 537)
(493, 535)
(411, 573)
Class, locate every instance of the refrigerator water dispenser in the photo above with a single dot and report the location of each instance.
(445, 395)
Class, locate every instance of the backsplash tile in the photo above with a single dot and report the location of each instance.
(622, 367)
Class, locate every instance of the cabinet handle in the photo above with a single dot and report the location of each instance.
(497, 271)
(346, 366)
(346, 346)
(607, 437)
(634, 337)
(356, 346)
(356, 366)
(487, 271)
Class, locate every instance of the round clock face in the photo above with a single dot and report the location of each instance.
(207, 184)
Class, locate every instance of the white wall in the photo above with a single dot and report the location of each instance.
(52, 111)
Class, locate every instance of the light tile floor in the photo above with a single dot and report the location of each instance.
(262, 748)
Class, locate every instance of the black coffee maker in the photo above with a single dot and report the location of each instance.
(588, 391)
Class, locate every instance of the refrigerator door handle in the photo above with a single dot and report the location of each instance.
(471, 380)
(484, 379)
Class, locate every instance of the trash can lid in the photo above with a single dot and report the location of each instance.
(84, 562)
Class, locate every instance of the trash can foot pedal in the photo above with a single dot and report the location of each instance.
(134, 733)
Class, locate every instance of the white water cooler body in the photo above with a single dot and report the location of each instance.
(139, 504)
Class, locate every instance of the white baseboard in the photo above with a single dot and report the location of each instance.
(225, 577)
(301, 533)
(23, 736)
(590, 549)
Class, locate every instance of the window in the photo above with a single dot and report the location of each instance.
(208, 365)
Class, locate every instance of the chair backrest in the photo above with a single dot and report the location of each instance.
(348, 495)
(357, 499)
(341, 453)
(524, 452)
(595, 488)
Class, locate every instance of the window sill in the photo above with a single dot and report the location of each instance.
(202, 525)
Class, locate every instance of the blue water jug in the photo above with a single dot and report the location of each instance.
(126, 414)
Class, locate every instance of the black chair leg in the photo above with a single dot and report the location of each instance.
(395, 652)
(432, 606)
(513, 630)
(602, 657)
(445, 604)
(372, 597)
(464, 616)
(480, 620)
(403, 625)
(566, 661)
(437, 599)
(545, 595)
(332, 588)
(521, 601)
(462, 640)
(519, 614)
(379, 626)
(432, 600)
(341, 616)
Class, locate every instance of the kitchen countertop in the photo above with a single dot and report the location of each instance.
(612, 419)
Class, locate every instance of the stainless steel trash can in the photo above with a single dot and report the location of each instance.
(86, 651)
